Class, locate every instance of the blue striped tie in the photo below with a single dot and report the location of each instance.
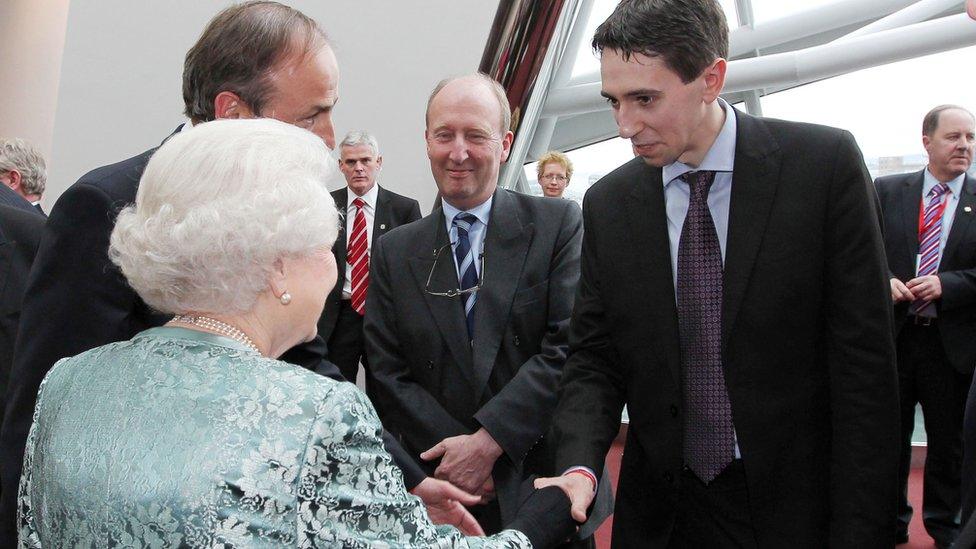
(467, 275)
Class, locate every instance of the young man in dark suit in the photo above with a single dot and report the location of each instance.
(244, 65)
(468, 309)
(930, 243)
(341, 325)
(733, 295)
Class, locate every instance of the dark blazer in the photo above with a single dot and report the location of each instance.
(900, 197)
(808, 353)
(20, 233)
(77, 299)
(392, 210)
(433, 383)
(9, 197)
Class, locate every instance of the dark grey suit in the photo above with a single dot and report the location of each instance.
(434, 384)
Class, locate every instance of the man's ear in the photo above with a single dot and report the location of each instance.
(228, 105)
(507, 144)
(14, 179)
(714, 78)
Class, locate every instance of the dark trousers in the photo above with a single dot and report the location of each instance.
(346, 344)
(925, 376)
(715, 515)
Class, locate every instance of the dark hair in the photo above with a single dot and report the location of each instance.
(238, 52)
(687, 34)
(931, 121)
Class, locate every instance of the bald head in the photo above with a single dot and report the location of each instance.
(470, 83)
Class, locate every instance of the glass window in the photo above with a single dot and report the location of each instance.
(883, 106)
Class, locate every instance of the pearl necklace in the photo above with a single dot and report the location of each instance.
(219, 327)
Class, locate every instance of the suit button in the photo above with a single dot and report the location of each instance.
(517, 341)
(668, 477)
(430, 364)
(674, 411)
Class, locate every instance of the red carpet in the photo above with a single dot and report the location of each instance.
(917, 538)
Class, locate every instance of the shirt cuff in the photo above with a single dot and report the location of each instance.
(586, 472)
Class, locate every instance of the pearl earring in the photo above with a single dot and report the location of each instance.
(285, 298)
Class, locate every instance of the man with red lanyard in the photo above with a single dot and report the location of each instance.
(931, 247)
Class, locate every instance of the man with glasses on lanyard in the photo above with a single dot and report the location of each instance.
(468, 309)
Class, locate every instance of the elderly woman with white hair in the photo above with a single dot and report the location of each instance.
(193, 434)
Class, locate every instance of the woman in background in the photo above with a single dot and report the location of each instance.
(554, 171)
(193, 434)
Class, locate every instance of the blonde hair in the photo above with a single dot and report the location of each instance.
(558, 158)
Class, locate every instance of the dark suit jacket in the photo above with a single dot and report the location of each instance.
(77, 299)
(9, 197)
(900, 198)
(392, 210)
(432, 382)
(806, 336)
(20, 233)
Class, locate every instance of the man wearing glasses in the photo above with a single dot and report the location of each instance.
(468, 309)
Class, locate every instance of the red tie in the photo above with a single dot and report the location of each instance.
(358, 257)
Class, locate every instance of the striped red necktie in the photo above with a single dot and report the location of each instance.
(358, 258)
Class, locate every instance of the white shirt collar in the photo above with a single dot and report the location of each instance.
(369, 197)
(481, 211)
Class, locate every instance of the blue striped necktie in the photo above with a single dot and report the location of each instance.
(467, 274)
(930, 240)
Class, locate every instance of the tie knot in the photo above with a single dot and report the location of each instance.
(939, 189)
(359, 203)
(699, 182)
(464, 220)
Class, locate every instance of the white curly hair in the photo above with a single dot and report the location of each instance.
(217, 206)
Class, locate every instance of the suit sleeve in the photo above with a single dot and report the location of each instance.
(518, 416)
(407, 405)
(591, 392)
(860, 357)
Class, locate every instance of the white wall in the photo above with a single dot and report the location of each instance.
(120, 78)
(31, 44)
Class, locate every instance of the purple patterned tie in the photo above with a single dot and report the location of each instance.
(929, 241)
(709, 439)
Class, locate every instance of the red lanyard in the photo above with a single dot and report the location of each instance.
(938, 215)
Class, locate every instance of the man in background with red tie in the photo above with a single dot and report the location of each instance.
(370, 211)
(931, 247)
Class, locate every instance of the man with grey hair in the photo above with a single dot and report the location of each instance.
(371, 211)
(254, 59)
(468, 309)
(22, 171)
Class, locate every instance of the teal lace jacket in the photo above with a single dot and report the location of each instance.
(177, 438)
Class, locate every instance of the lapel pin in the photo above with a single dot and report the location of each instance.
(968, 209)
(383, 225)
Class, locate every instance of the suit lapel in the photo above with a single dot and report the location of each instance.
(507, 244)
(754, 182)
(910, 200)
(647, 220)
(962, 218)
(447, 312)
(381, 217)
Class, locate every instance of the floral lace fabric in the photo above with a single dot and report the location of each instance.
(182, 439)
